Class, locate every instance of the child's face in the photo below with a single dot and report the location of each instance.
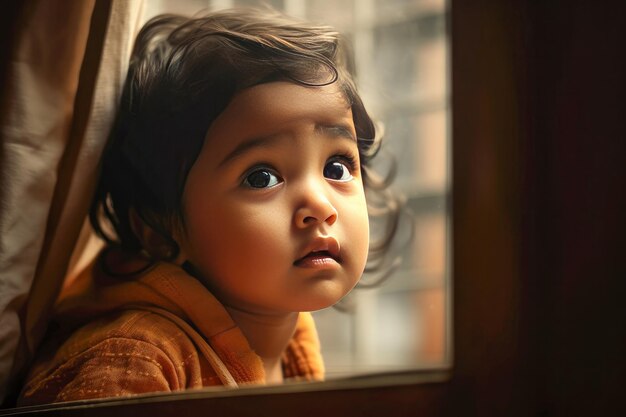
(274, 206)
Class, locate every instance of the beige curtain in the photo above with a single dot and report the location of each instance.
(63, 80)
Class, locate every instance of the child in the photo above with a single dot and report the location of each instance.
(232, 199)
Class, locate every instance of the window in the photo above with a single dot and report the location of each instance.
(401, 60)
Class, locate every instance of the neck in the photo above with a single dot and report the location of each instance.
(268, 336)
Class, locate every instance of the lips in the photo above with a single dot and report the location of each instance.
(322, 251)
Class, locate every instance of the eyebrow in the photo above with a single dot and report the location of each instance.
(336, 131)
(339, 131)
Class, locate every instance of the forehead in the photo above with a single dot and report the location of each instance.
(277, 107)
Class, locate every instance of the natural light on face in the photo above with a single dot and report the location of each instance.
(275, 213)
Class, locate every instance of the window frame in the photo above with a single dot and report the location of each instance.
(524, 312)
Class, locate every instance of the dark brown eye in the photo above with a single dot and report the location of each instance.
(337, 171)
(261, 178)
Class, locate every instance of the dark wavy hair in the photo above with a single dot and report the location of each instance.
(183, 73)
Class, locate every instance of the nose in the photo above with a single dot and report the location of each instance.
(315, 209)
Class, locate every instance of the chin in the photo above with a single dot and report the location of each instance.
(321, 301)
(316, 306)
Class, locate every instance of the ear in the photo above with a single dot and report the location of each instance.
(154, 243)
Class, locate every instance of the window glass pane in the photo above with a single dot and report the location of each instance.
(408, 60)
(335, 13)
(277, 4)
(401, 61)
(400, 8)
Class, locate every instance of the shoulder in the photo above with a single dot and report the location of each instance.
(124, 353)
(119, 331)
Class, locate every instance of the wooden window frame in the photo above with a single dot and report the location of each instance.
(538, 323)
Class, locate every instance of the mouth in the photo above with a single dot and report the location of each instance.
(322, 252)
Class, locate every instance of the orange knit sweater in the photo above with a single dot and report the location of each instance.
(159, 331)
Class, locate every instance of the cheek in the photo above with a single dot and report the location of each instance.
(237, 236)
(260, 233)
(357, 230)
(364, 235)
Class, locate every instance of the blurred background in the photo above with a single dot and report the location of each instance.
(401, 60)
